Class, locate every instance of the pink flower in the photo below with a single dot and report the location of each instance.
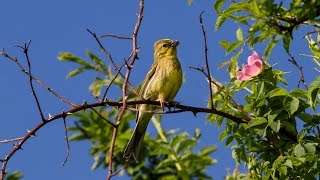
(252, 69)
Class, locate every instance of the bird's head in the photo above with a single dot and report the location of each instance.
(165, 47)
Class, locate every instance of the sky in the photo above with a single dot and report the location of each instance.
(58, 26)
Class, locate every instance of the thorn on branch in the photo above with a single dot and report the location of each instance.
(194, 113)
(33, 133)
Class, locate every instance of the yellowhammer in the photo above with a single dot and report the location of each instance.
(162, 83)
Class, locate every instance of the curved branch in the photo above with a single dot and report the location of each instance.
(64, 114)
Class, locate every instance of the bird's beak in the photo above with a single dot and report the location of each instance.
(174, 43)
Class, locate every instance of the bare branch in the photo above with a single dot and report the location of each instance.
(111, 82)
(104, 50)
(115, 36)
(109, 122)
(67, 141)
(5, 54)
(133, 57)
(206, 58)
(25, 51)
(295, 63)
(180, 107)
(11, 140)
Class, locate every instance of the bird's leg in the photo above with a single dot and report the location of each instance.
(161, 103)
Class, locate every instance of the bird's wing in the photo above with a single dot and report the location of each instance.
(145, 83)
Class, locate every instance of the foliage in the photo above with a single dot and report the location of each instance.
(16, 175)
(282, 136)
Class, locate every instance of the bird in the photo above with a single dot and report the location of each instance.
(161, 83)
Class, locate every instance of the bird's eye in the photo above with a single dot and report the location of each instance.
(165, 45)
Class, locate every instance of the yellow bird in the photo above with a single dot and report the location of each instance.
(162, 83)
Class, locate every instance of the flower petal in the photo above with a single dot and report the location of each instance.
(241, 76)
(253, 70)
(254, 59)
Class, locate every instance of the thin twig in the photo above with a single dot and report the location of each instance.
(133, 57)
(111, 82)
(120, 169)
(311, 32)
(25, 51)
(67, 141)
(11, 140)
(301, 79)
(104, 50)
(115, 36)
(206, 58)
(222, 90)
(5, 54)
(109, 122)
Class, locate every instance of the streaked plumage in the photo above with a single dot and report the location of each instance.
(162, 83)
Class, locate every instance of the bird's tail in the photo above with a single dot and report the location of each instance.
(134, 146)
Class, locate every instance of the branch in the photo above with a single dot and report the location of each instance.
(180, 107)
(111, 82)
(115, 36)
(295, 63)
(67, 141)
(11, 140)
(133, 56)
(6, 55)
(225, 93)
(206, 58)
(104, 50)
(25, 51)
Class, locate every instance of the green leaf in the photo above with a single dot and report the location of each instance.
(177, 139)
(186, 144)
(283, 170)
(218, 4)
(302, 134)
(95, 59)
(76, 72)
(223, 135)
(207, 150)
(165, 163)
(257, 122)
(66, 56)
(229, 140)
(219, 22)
(299, 150)
(163, 149)
(313, 92)
(278, 162)
(310, 147)
(16, 175)
(239, 34)
(234, 46)
(275, 126)
(288, 163)
(291, 104)
(277, 92)
(225, 44)
(286, 43)
(255, 9)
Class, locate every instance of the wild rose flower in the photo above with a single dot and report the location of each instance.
(252, 69)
